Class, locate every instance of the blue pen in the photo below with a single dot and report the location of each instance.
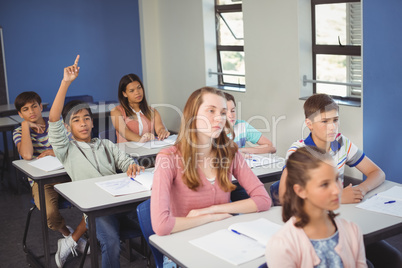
(390, 202)
(135, 180)
(236, 232)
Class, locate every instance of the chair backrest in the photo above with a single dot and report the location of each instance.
(274, 191)
(264, 265)
(86, 98)
(108, 134)
(144, 217)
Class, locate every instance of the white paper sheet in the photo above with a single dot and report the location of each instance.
(157, 143)
(258, 160)
(237, 248)
(127, 185)
(47, 163)
(381, 202)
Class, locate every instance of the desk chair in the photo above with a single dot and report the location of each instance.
(86, 98)
(144, 217)
(264, 265)
(274, 192)
(108, 134)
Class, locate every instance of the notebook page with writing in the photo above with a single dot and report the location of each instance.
(157, 143)
(387, 202)
(122, 186)
(47, 163)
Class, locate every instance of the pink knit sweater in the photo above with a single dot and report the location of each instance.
(172, 198)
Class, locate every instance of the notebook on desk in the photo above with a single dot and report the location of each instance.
(157, 143)
(127, 185)
(260, 160)
(241, 242)
(387, 202)
(47, 163)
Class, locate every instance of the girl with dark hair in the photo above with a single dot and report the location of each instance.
(133, 119)
(313, 236)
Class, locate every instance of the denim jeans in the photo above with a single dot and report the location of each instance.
(108, 234)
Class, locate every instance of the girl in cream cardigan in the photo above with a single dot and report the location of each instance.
(313, 236)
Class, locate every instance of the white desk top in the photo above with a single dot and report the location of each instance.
(36, 173)
(7, 121)
(135, 150)
(185, 254)
(87, 196)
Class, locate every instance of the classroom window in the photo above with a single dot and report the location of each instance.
(337, 40)
(230, 44)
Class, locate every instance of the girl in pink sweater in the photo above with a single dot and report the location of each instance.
(312, 236)
(193, 178)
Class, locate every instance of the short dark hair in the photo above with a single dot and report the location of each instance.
(73, 107)
(26, 97)
(229, 97)
(319, 102)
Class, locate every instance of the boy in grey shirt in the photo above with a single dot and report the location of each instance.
(85, 158)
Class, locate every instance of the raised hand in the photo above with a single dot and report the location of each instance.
(71, 72)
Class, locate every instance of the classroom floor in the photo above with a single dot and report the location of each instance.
(14, 208)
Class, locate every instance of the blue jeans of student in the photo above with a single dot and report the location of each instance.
(108, 233)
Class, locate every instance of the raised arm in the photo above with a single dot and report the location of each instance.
(264, 146)
(70, 74)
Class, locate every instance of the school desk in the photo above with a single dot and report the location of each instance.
(41, 177)
(9, 109)
(6, 124)
(375, 227)
(92, 200)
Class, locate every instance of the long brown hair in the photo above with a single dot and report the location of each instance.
(298, 166)
(124, 81)
(223, 148)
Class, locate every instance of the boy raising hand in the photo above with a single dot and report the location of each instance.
(83, 158)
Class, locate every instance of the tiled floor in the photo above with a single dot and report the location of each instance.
(14, 208)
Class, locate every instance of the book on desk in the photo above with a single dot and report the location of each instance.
(241, 242)
(127, 185)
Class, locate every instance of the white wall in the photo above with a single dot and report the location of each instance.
(176, 53)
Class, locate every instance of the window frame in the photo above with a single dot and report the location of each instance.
(344, 50)
(219, 9)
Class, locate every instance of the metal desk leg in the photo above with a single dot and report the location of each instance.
(93, 240)
(45, 234)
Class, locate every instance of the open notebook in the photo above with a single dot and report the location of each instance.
(127, 185)
(241, 242)
(387, 202)
(157, 143)
(259, 160)
(47, 163)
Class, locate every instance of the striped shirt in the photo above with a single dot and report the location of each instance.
(342, 150)
(40, 141)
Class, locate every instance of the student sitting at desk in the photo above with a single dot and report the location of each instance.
(244, 132)
(313, 235)
(193, 178)
(322, 119)
(32, 141)
(85, 158)
(133, 119)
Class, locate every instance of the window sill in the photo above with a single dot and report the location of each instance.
(231, 88)
(354, 102)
